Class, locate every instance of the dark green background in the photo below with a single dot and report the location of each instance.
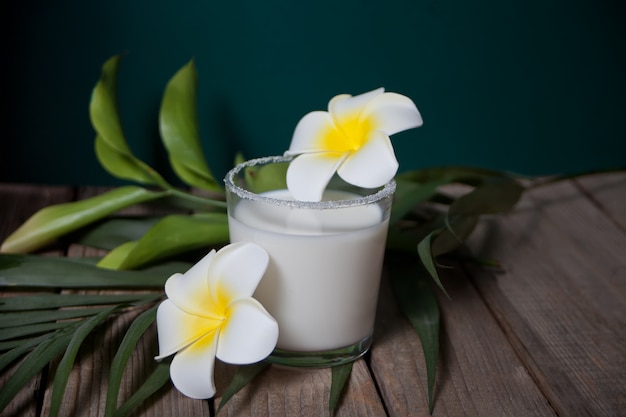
(533, 86)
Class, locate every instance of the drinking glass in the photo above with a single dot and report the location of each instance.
(326, 260)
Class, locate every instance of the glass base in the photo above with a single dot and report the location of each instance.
(321, 359)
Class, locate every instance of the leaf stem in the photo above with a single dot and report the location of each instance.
(202, 201)
(540, 182)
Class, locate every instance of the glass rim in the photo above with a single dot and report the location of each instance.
(387, 190)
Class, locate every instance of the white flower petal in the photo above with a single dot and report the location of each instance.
(237, 269)
(308, 174)
(191, 369)
(190, 291)
(333, 101)
(392, 113)
(308, 131)
(176, 329)
(373, 165)
(249, 335)
(344, 105)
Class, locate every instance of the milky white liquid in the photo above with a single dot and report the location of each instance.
(325, 266)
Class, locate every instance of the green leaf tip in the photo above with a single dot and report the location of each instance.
(172, 235)
(111, 147)
(418, 302)
(425, 254)
(340, 375)
(178, 125)
(52, 222)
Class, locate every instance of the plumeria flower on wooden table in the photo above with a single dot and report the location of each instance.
(210, 313)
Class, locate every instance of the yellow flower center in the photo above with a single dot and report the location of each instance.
(218, 306)
(348, 136)
(213, 317)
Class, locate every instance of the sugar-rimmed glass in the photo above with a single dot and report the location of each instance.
(325, 261)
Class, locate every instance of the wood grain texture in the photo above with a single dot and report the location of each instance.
(607, 192)
(561, 295)
(87, 387)
(17, 203)
(284, 392)
(542, 335)
(479, 373)
(396, 359)
(86, 393)
(485, 375)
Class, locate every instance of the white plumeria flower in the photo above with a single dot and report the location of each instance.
(352, 139)
(210, 313)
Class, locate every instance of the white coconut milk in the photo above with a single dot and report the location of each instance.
(325, 266)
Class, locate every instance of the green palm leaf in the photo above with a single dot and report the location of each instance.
(34, 362)
(111, 147)
(419, 303)
(52, 222)
(159, 377)
(178, 124)
(48, 301)
(242, 377)
(46, 272)
(127, 346)
(64, 368)
(171, 236)
(340, 375)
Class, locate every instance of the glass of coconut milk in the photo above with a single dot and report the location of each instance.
(326, 259)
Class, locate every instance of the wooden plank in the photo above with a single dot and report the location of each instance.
(561, 295)
(608, 192)
(479, 373)
(396, 359)
(86, 392)
(301, 392)
(17, 203)
(559, 302)
(285, 392)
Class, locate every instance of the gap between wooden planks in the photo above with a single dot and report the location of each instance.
(501, 355)
(17, 203)
(561, 294)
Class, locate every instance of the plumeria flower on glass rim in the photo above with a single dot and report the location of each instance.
(351, 139)
(210, 313)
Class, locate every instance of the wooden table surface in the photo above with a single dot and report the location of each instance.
(543, 335)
